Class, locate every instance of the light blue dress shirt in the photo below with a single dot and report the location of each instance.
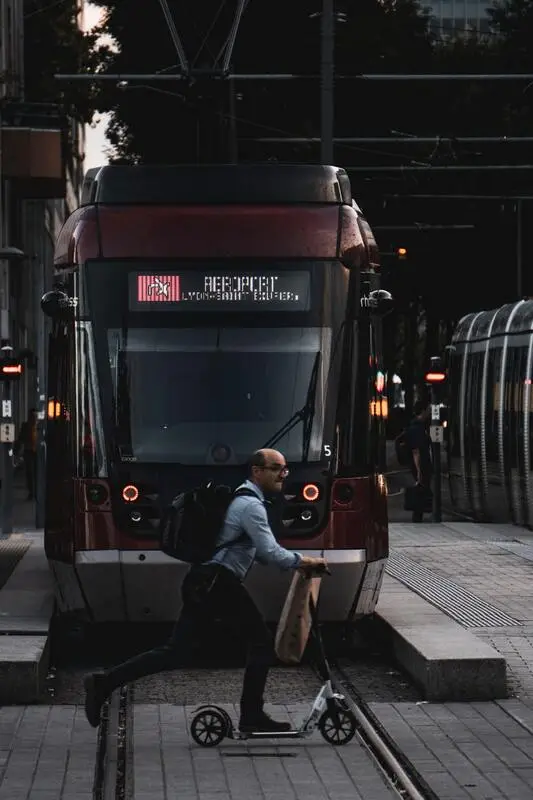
(248, 515)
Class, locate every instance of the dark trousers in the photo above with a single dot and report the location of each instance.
(209, 592)
(425, 481)
(30, 463)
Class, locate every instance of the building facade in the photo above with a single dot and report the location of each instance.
(454, 18)
(40, 184)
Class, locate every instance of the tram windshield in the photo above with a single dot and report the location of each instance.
(202, 364)
(211, 395)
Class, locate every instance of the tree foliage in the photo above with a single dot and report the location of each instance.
(53, 43)
(274, 37)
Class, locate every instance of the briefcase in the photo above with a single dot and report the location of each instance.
(418, 498)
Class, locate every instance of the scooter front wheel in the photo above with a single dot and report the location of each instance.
(209, 728)
(338, 731)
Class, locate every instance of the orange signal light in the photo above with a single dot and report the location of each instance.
(310, 492)
(130, 493)
(402, 252)
(435, 377)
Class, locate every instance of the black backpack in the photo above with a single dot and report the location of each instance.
(403, 451)
(192, 522)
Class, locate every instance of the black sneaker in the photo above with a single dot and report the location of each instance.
(95, 697)
(262, 723)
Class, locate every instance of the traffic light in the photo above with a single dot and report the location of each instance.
(11, 369)
(401, 252)
(436, 378)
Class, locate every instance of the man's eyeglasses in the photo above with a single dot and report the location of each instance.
(279, 468)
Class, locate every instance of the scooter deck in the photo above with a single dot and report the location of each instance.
(292, 734)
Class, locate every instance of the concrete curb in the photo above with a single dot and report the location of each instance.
(446, 661)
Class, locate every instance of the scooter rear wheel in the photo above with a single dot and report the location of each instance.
(209, 728)
(339, 731)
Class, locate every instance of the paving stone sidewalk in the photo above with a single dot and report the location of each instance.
(493, 562)
(168, 764)
(482, 751)
(46, 753)
(466, 751)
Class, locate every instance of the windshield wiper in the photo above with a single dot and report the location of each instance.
(305, 414)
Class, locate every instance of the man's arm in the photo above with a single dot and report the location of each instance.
(255, 523)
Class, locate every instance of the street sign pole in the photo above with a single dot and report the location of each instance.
(7, 437)
(436, 379)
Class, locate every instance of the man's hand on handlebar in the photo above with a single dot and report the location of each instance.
(316, 565)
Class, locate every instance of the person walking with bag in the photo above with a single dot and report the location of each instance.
(419, 444)
(215, 588)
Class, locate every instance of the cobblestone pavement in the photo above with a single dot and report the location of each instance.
(466, 751)
(46, 753)
(492, 562)
(168, 764)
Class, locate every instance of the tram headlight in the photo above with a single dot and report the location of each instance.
(130, 493)
(310, 492)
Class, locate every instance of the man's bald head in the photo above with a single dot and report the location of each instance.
(267, 469)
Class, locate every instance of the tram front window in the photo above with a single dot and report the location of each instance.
(197, 396)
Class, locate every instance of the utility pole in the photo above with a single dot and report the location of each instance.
(327, 82)
(519, 286)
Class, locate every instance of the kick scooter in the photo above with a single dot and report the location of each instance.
(337, 724)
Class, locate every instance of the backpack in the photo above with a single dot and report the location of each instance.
(403, 451)
(192, 522)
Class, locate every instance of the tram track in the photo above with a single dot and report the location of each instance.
(398, 771)
(114, 749)
(113, 775)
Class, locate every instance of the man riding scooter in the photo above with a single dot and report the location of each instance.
(216, 588)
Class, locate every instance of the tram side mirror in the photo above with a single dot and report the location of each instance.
(57, 304)
(379, 301)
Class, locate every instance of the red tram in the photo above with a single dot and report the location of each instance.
(199, 313)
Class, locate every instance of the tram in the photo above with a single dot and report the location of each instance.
(491, 372)
(198, 314)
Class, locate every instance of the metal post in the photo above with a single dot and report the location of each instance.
(40, 288)
(7, 466)
(327, 82)
(519, 289)
(437, 483)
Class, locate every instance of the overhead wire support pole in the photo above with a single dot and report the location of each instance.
(184, 64)
(327, 82)
(233, 35)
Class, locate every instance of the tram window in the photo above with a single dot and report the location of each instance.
(90, 435)
(456, 362)
(182, 392)
(493, 404)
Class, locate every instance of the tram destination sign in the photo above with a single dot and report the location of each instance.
(199, 290)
